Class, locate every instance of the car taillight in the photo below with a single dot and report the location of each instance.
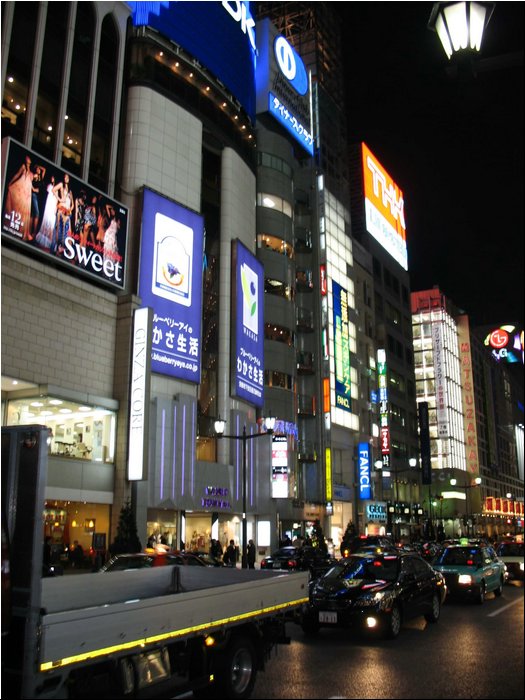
(292, 563)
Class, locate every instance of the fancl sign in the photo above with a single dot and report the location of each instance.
(363, 456)
(282, 85)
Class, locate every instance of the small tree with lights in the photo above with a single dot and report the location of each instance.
(126, 540)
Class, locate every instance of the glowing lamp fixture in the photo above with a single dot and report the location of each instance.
(460, 25)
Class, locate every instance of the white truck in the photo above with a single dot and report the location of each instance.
(157, 632)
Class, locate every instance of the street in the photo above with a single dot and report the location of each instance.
(472, 652)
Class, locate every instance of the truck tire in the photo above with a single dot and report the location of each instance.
(236, 671)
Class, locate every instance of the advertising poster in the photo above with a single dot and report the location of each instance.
(54, 215)
(247, 310)
(171, 258)
(341, 348)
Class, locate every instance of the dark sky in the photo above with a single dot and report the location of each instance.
(454, 145)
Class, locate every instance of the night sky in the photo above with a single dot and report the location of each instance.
(453, 144)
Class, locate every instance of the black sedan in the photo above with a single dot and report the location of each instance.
(307, 558)
(372, 591)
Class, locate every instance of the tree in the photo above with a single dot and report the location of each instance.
(350, 532)
(317, 537)
(127, 539)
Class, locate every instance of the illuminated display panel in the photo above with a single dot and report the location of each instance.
(506, 344)
(220, 35)
(364, 459)
(283, 85)
(248, 315)
(384, 208)
(279, 466)
(94, 248)
(341, 348)
(170, 282)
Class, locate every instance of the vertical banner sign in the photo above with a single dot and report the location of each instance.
(383, 404)
(171, 255)
(279, 466)
(365, 491)
(328, 474)
(341, 347)
(424, 443)
(440, 380)
(139, 395)
(467, 395)
(247, 362)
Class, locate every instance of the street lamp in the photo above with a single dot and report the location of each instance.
(466, 487)
(510, 497)
(460, 25)
(269, 423)
(412, 462)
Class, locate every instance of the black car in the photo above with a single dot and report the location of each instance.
(299, 559)
(361, 542)
(371, 591)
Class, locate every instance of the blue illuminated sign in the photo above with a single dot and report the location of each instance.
(248, 311)
(220, 35)
(363, 456)
(171, 255)
(283, 84)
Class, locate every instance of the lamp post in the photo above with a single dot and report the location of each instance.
(514, 519)
(460, 25)
(466, 487)
(269, 423)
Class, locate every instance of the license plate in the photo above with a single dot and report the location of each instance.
(329, 617)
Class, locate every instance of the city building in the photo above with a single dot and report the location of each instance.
(475, 421)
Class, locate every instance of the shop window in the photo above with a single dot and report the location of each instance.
(76, 431)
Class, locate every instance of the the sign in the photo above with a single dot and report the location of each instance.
(248, 314)
(341, 348)
(282, 82)
(171, 256)
(506, 343)
(364, 461)
(65, 221)
(220, 35)
(375, 511)
(424, 443)
(279, 466)
(468, 397)
(384, 208)
(440, 380)
(139, 395)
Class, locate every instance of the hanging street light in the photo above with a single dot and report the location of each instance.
(460, 25)
(269, 423)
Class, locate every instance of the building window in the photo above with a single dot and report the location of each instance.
(78, 431)
(279, 288)
(275, 244)
(271, 201)
(279, 334)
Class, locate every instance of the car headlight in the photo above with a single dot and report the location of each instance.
(521, 566)
(379, 598)
(465, 580)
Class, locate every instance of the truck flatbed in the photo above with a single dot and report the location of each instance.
(95, 615)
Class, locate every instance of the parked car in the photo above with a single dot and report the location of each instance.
(147, 560)
(511, 553)
(471, 570)
(356, 544)
(376, 592)
(299, 559)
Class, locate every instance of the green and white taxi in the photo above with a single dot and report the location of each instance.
(471, 570)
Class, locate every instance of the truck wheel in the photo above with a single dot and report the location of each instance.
(236, 669)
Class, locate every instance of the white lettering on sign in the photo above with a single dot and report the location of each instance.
(90, 259)
(239, 12)
(388, 194)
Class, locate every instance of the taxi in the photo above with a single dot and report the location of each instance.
(471, 570)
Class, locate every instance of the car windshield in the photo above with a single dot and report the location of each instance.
(510, 549)
(460, 556)
(365, 568)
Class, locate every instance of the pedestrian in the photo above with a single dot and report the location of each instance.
(230, 556)
(251, 555)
